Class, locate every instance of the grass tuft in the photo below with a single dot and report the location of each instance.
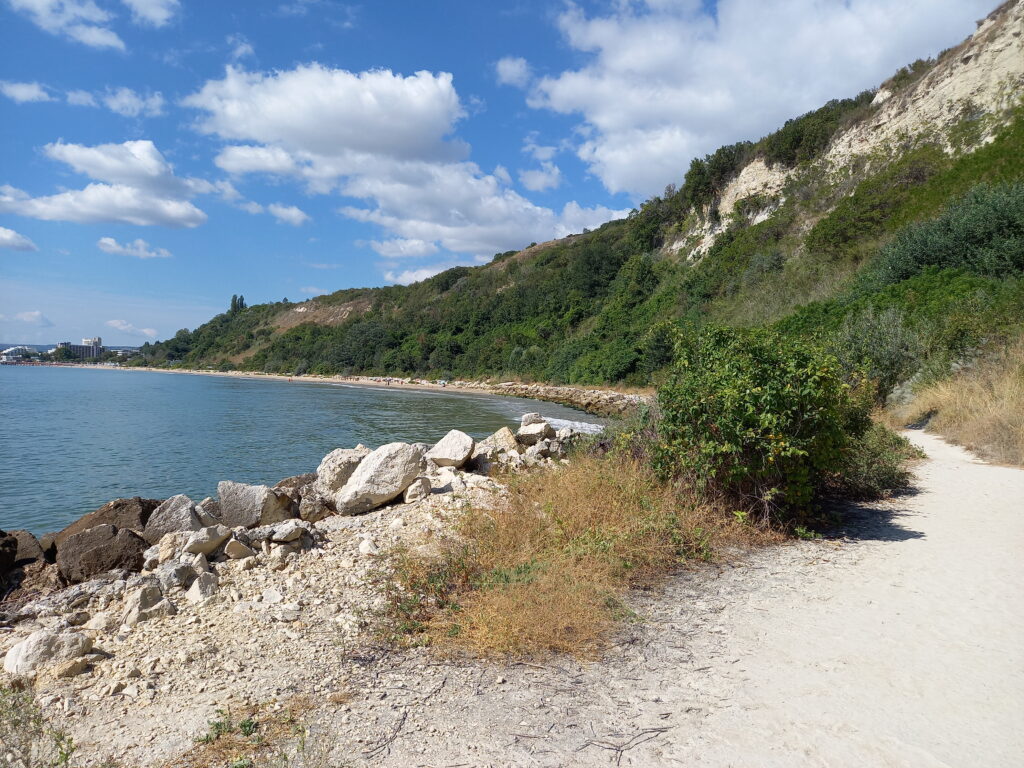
(547, 570)
(981, 408)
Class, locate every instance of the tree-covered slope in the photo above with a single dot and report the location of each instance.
(598, 307)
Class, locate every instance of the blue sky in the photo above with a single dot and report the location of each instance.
(158, 156)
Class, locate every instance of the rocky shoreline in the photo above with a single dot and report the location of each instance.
(140, 605)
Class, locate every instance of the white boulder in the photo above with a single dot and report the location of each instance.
(247, 506)
(206, 541)
(44, 648)
(452, 450)
(530, 418)
(419, 489)
(534, 433)
(381, 476)
(336, 468)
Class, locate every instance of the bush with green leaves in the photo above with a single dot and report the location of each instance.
(982, 233)
(27, 740)
(757, 418)
(874, 464)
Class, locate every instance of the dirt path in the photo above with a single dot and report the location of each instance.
(900, 643)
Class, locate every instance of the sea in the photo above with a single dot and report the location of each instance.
(72, 439)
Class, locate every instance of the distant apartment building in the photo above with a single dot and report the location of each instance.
(16, 354)
(87, 349)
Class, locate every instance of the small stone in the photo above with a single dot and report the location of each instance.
(236, 550)
(367, 547)
(203, 588)
(419, 489)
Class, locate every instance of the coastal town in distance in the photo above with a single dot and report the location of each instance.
(91, 350)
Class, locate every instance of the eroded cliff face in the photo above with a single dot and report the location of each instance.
(982, 79)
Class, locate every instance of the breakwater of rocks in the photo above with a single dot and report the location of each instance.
(75, 599)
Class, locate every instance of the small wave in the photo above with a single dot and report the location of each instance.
(580, 426)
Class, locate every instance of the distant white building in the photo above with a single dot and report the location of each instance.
(95, 341)
(15, 354)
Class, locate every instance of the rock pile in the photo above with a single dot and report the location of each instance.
(135, 561)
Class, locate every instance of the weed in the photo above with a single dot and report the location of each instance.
(27, 740)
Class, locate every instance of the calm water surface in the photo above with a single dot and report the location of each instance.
(74, 438)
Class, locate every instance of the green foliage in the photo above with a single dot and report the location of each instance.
(983, 233)
(756, 417)
(27, 740)
(804, 138)
(874, 464)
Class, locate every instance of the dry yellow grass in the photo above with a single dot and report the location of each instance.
(547, 571)
(981, 408)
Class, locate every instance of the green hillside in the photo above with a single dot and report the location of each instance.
(836, 256)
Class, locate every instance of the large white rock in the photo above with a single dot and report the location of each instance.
(534, 433)
(503, 440)
(176, 514)
(43, 648)
(247, 506)
(236, 550)
(205, 541)
(380, 477)
(336, 468)
(453, 450)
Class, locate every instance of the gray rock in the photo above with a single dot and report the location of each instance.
(8, 553)
(236, 550)
(336, 468)
(534, 433)
(452, 450)
(174, 574)
(531, 418)
(208, 511)
(419, 489)
(205, 541)
(175, 514)
(43, 648)
(203, 588)
(246, 506)
(151, 558)
(503, 440)
(289, 530)
(314, 507)
(380, 477)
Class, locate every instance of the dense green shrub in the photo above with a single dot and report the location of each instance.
(758, 418)
(874, 464)
(982, 233)
(882, 344)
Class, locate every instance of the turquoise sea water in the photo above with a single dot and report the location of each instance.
(73, 438)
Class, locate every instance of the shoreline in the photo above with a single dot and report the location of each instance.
(597, 402)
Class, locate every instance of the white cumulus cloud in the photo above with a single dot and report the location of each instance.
(24, 92)
(80, 20)
(312, 290)
(14, 241)
(134, 184)
(667, 80)
(125, 327)
(407, 276)
(513, 70)
(34, 318)
(288, 214)
(398, 248)
(548, 176)
(138, 249)
(81, 98)
(126, 102)
(152, 13)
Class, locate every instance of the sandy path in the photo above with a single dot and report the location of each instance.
(900, 643)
